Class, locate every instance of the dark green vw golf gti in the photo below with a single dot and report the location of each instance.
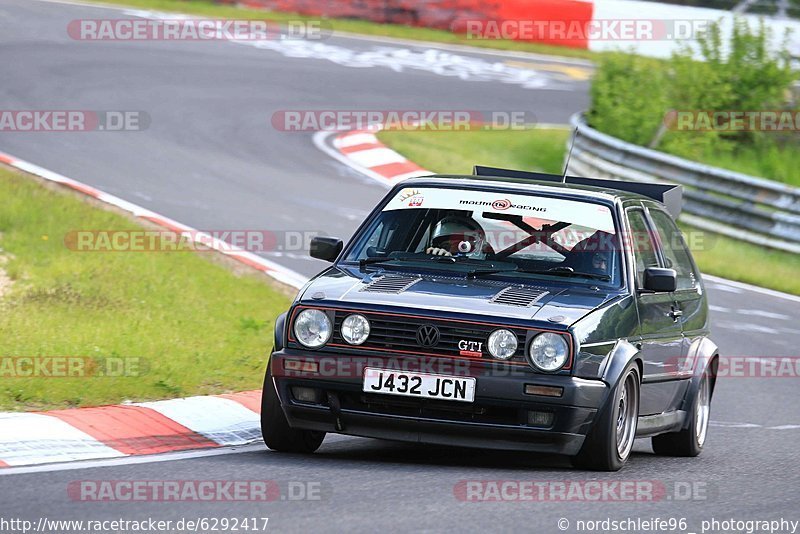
(503, 310)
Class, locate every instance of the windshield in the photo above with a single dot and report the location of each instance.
(493, 234)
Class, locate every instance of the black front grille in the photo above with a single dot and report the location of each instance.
(399, 334)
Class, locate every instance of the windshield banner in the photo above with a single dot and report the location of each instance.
(585, 214)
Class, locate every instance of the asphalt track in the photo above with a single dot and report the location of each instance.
(211, 159)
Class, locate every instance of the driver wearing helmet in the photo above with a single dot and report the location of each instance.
(458, 235)
(593, 254)
(600, 262)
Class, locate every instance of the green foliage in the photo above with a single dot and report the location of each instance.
(632, 98)
(629, 97)
(747, 72)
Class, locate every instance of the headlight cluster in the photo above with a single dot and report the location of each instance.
(313, 328)
(548, 352)
(355, 329)
(502, 344)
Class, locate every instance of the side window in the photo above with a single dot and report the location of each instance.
(641, 243)
(674, 249)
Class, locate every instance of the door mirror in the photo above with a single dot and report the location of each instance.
(325, 248)
(660, 280)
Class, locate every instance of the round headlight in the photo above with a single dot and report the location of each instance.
(548, 351)
(355, 329)
(502, 344)
(312, 328)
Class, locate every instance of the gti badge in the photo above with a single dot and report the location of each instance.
(470, 348)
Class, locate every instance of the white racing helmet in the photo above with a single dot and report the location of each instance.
(459, 235)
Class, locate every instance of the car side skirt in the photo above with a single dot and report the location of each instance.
(652, 425)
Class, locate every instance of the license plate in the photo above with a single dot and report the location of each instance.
(425, 386)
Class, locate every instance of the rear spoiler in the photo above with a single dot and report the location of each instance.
(670, 195)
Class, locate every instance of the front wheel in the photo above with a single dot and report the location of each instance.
(610, 441)
(689, 442)
(275, 429)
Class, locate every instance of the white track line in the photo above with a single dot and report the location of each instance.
(221, 420)
(373, 157)
(257, 447)
(35, 438)
(749, 287)
(132, 460)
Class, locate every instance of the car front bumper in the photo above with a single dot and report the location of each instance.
(498, 418)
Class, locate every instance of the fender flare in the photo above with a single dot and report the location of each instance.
(703, 354)
(280, 330)
(623, 353)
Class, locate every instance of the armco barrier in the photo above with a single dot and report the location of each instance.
(726, 202)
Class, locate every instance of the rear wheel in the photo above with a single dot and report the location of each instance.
(275, 429)
(609, 443)
(690, 441)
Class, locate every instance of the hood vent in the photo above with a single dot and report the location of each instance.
(391, 284)
(523, 297)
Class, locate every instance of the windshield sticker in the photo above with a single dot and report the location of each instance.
(585, 214)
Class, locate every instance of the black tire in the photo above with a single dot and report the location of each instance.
(275, 429)
(689, 442)
(601, 449)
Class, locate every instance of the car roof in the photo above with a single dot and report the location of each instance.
(524, 186)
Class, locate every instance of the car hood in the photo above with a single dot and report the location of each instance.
(562, 304)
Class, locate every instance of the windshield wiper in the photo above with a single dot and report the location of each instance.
(570, 272)
(475, 273)
(556, 271)
(371, 261)
(412, 258)
(429, 257)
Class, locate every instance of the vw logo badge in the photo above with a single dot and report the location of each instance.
(427, 336)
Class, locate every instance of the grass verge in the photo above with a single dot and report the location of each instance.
(544, 150)
(164, 324)
(771, 160)
(745, 262)
(456, 152)
(399, 31)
